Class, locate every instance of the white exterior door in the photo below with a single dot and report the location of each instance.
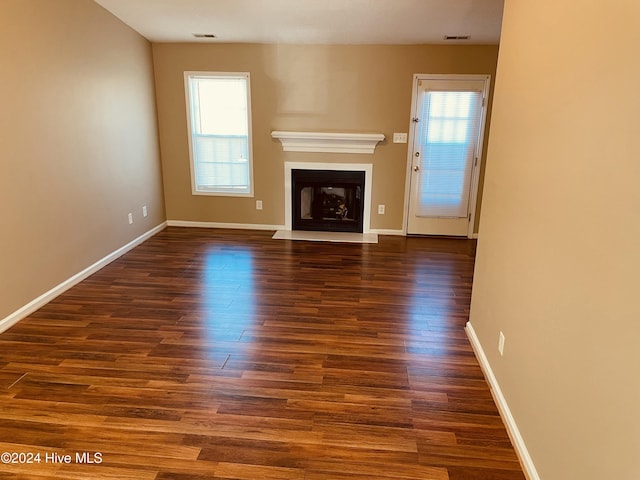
(446, 145)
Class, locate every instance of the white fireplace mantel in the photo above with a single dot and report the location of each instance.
(328, 142)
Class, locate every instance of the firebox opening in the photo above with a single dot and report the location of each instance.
(327, 200)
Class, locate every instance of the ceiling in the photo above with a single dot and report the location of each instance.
(312, 21)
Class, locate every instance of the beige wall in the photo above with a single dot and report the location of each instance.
(308, 88)
(558, 263)
(78, 142)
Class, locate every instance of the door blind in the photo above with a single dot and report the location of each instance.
(448, 138)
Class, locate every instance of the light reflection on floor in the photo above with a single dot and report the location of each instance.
(433, 308)
(228, 292)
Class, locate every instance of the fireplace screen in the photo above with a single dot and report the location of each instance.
(328, 200)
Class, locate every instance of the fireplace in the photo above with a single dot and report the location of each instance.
(290, 197)
(327, 200)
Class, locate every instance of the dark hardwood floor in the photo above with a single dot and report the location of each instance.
(224, 354)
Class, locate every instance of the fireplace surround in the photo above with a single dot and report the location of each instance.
(332, 188)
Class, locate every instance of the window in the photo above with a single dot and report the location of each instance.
(449, 116)
(448, 142)
(219, 122)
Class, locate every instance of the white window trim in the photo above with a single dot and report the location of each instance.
(194, 190)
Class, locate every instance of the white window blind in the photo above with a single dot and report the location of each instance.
(219, 128)
(449, 131)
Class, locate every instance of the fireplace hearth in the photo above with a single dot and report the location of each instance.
(327, 200)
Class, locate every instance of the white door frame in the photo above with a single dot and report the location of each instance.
(413, 130)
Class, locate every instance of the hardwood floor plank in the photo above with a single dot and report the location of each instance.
(239, 471)
(223, 354)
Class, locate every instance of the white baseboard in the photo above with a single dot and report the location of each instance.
(239, 226)
(252, 226)
(46, 297)
(512, 428)
(382, 231)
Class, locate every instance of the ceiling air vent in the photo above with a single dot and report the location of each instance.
(204, 35)
(457, 37)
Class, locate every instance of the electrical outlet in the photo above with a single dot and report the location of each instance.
(258, 204)
(381, 209)
(501, 343)
(399, 138)
(130, 217)
(144, 211)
